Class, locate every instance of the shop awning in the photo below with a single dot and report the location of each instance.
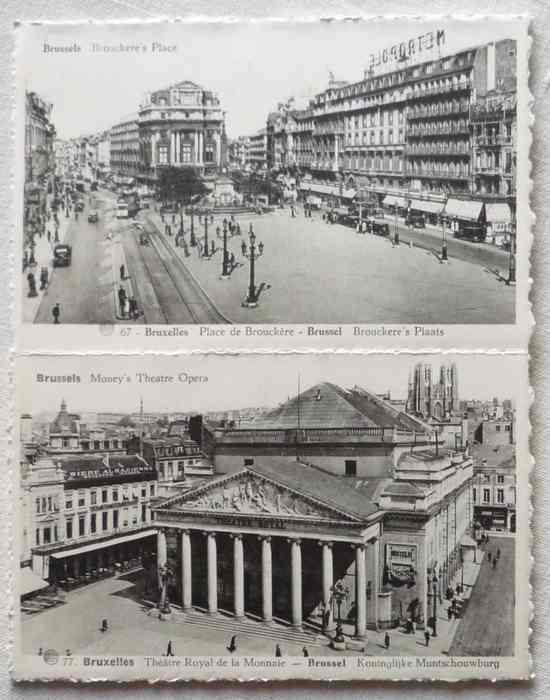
(428, 207)
(103, 543)
(498, 212)
(463, 209)
(349, 194)
(467, 541)
(391, 200)
(31, 582)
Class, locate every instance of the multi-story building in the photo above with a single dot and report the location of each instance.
(66, 434)
(182, 125)
(85, 513)
(237, 151)
(256, 158)
(125, 148)
(39, 161)
(418, 137)
(494, 491)
(333, 485)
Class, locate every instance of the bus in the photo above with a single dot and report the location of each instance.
(122, 210)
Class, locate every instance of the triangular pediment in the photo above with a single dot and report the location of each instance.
(248, 493)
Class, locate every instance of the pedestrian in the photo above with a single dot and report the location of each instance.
(56, 311)
(104, 625)
(232, 644)
(122, 272)
(278, 651)
(449, 613)
(126, 312)
(40, 651)
(498, 554)
(305, 652)
(232, 260)
(494, 563)
(457, 589)
(489, 557)
(43, 278)
(49, 235)
(121, 299)
(133, 308)
(169, 650)
(218, 231)
(387, 640)
(427, 638)
(243, 248)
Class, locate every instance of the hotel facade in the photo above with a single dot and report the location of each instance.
(438, 136)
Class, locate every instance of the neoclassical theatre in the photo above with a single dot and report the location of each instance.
(272, 542)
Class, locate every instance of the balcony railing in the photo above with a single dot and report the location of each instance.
(428, 172)
(438, 152)
(494, 140)
(460, 86)
(321, 435)
(441, 111)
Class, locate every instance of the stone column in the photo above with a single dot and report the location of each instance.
(267, 580)
(238, 576)
(360, 593)
(212, 560)
(328, 577)
(161, 552)
(172, 147)
(186, 571)
(296, 582)
(375, 581)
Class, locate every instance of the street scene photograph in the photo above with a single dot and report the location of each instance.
(359, 506)
(188, 173)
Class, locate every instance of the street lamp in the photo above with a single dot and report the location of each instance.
(251, 300)
(225, 258)
(205, 252)
(165, 575)
(339, 594)
(192, 239)
(444, 257)
(461, 571)
(396, 232)
(434, 593)
(512, 258)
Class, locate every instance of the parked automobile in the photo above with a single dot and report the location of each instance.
(93, 216)
(380, 228)
(415, 219)
(471, 231)
(62, 254)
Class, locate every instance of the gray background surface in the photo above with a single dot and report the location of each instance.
(11, 11)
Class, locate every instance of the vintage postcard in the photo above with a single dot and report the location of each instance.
(272, 517)
(184, 185)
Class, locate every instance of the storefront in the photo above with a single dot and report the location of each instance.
(499, 223)
(430, 210)
(465, 218)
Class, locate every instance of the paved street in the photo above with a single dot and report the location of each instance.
(322, 273)
(487, 629)
(133, 631)
(84, 290)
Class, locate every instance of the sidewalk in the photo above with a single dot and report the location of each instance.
(43, 254)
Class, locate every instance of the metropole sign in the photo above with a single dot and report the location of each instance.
(407, 49)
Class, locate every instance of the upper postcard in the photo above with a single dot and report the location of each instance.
(261, 185)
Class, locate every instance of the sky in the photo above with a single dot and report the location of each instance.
(244, 381)
(251, 66)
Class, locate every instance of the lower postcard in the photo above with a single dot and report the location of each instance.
(201, 517)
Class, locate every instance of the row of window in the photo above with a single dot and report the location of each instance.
(107, 495)
(486, 495)
(99, 522)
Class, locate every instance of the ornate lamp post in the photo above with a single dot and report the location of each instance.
(251, 300)
(461, 571)
(444, 257)
(165, 576)
(192, 239)
(225, 258)
(339, 594)
(205, 251)
(434, 593)
(512, 258)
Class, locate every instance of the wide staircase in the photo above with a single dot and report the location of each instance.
(275, 631)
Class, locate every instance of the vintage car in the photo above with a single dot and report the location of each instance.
(415, 219)
(380, 228)
(62, 254)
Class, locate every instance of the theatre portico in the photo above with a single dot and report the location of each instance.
(272, 544)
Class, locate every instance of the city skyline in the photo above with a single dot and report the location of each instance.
(84, 107)
(233, 385)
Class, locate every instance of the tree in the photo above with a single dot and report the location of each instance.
(180, 184)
